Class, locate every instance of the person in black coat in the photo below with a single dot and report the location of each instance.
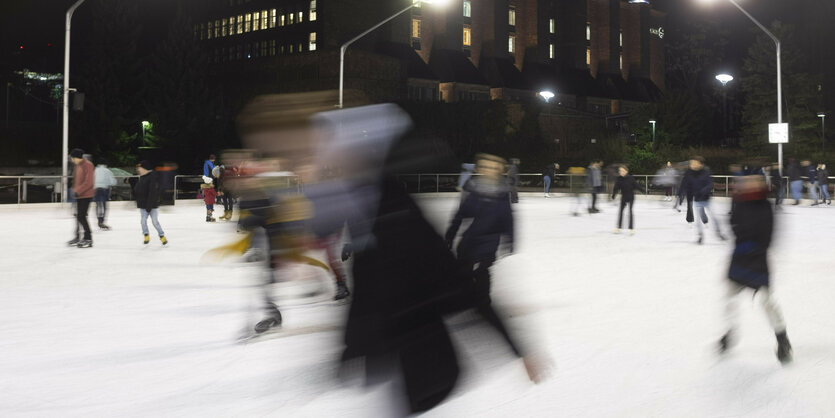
(823, 183)
(513, 179)
(700, 186)
(147, 200)
(752, 222)
(811, 174)
(777, 184)
(795, 180)
(626, 185)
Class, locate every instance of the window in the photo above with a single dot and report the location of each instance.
(312, 16)
(264, 19)
(240, 25)
(552, 26)
(281, 51)
(511, 16)
(248, 22)
(620, 38)
(239, 51)
(467, 9)
(217, 28)
(232, 21)
(551, 51)
(466, 38)
(311, 45)
(300, 19)
(264, 50)
(272, 47)
(291, 48)
(281, 20)
(290, 18)
(416, 28)
(511, 44)
(211, 30)
(588, 31)
(588, 56)
(225, 27)
(272, 19)
(620, 60)
(256, 21)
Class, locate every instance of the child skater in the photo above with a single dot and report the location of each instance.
(209, 196)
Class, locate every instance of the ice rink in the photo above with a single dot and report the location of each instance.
(630, 322)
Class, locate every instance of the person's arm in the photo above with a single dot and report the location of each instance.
(452, 231)
(153, 194)
(616, 188)
(111, 178)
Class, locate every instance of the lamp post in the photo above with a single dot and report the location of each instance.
(822, 115)
(145, 125)
(66, 129)
(345, 46)
(724, 79)
(652, 122)
(779, 80)
(546, 95)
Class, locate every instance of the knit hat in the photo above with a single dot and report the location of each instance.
(207, 180)
(146, 165)
(77, 153)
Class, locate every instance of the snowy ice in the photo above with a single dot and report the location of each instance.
(630, 323)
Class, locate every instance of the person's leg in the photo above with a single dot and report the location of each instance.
(143, 221)
(824, 192)
(713, 217)
(795, 188)
(620, 213)
(155, 222)
(481, 277)
(700, 213)
(594, 198)
(83, 205)
(631, 225)
(813, 192)
(778, 323)
(547, 185)
(731, 314)
(99, 199)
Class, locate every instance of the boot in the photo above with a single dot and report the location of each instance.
(163, 240)
(73, 242)
(273, 319)
(725, 343)
(147, 239)
(341, 291)
(85, 243)
(784, 348)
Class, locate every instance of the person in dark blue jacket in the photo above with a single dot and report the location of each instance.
(700, 185)
(626, 185)
(752, 222)
(208, 166)
(811, 174)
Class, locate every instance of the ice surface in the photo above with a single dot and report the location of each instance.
(630, 323)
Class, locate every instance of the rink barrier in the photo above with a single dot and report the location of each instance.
(46, 189)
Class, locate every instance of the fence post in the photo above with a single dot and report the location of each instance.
(726, 186)
(176, 191)
(18, 192)
(437, 183)
(646, 185)
(570, 182)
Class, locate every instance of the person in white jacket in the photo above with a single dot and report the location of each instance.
(103, 180)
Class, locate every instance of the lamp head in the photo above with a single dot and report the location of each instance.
(638, 1)
(438, 3)
(724, 78)
(546, 95)
(652, 121)
(146, 124)
(821, 115)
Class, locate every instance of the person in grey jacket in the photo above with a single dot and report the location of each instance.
(103, 180)
(595, 183)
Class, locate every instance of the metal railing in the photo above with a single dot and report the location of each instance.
(563, 183)
(45, 189)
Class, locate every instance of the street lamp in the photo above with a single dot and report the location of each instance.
(145, 125)
(66, 129)
(652, 122)
(638, 1)
(779, 81)
(823, 131)
(724, 79)
(546, 95)
(344, 46)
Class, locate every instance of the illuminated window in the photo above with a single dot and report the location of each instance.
(281, 50)
(256, 21)
(300, 47)
(272, 47)
(511, 44)
(551, 51)
(290, 18)
(620, 60)
(225, 30)
(588, 31)
(240, 25)
(291, 48)
(467, 9)
(552, 26)
(248, 22)
(211, 30)
(281, 20)
(300, 19)
(466, 38)
(416, 28)
(588, 56)
(620, 38)
(232, 21)
(312, 15)
(264, 19)
(272, 19)
(311, 44)
(511, 16)
(217, 28)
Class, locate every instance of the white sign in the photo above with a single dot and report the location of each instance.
(778, 133)
(659, 31)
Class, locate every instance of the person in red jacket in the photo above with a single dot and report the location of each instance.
(82, 187)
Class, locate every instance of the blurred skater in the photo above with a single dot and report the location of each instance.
(795, 181)
(103, 181)
(823, 184)
(513, 178)
(626, 185)
(147, 200)
(595, 183)
(83, 189)
(549, 176)
(700, 186)
(753, 224)
(209, 197)
(811, 173)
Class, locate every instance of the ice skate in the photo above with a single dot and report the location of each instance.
(147, 239)
(272, 320)
(341, 291)
(784, 348)
(163, 240)
(85, 243)
(616, 231)
(73, 242)
(725, 343)
(701, 239)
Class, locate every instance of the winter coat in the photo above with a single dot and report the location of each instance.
(208, 166)
(467, 170)
(823, 176)
(626, 185)
(699, 184)
(83, 180)
(209, 194)
(488, 205)
(549, 171)
(513, 175)
(594, 179)
(147, 191)
(776, 178)
(752, 221)
(794, 172)
(811, 174)
(103, 177)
